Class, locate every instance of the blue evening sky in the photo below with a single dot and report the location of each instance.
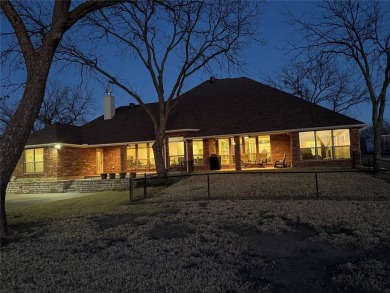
(262, 59)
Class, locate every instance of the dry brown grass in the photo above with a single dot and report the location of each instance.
(102, 243)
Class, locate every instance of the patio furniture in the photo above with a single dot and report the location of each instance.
(263, 159)
(246, 163)
(282, 163)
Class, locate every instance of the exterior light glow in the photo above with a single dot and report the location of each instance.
(58, 146)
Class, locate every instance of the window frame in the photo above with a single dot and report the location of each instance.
(34, 163)
(330, 150)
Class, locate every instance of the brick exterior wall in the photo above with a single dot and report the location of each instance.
(76, 162)
(112, 159)
(280, 144)
(73, 162)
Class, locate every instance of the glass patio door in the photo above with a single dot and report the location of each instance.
(99, 161)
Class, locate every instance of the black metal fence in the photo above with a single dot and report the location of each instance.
(350, 184)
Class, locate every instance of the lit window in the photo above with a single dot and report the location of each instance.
(250, 148)
(176, 150)
(264, 147)
(140, 155)
(341, 144)
(34, 160)
(325, 144)
(131, 156)
(197, 151)
(225, 149)
(307, 144)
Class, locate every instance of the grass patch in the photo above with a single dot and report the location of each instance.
(101, 243)
(99, 204)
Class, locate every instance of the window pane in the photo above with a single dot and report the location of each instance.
(342, 152)
(223, 150)
(264, 147)
(308, 154)
(306, 139)
(176, 150)
(29, 167)
(341, 137)
(307, 145)
(131, 156)
(29, 156)
(324, 144)
(151, 155)
(324, 153)
(39, 167)
(142, 160)
(250, 148)
(39, 155)
(197, 150)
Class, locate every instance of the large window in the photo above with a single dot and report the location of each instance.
(176, 151)
(325, 144)
(226, 150)
(197, 150)
(264, 148)
(250, 148)
(140, 155)
(34, 160)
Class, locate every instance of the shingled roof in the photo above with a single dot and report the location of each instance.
(213, 108)
(242, 105)
(56, 133)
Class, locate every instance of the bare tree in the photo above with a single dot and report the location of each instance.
(357, 33)
(62, 104)
(7, 109)
(38, 28)
(367, 136)
(320, 82)
(170, 38)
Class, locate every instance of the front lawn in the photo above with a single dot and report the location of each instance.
(101, 243)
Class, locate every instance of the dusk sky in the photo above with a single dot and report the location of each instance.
(263, 59)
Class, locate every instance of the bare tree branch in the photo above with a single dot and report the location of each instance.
(357, 33)
(184, 36)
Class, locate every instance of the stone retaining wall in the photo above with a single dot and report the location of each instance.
(23, 187)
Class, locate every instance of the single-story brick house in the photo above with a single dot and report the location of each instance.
(241, 120)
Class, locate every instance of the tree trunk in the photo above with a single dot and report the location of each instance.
(158, 149)
(377, 143)
(3, 217)
(19, 128)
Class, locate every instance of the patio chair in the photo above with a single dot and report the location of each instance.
(245, 161)
(263, 160)
(282, 163)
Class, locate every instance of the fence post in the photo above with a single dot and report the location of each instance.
(131, 190)
(145, 194)
(208, 186)
(316, 184)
